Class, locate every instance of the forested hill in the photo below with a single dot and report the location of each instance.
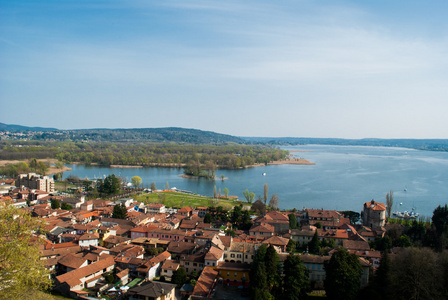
(156, 135)
(169, 134)
(421, 144)
(15, 128)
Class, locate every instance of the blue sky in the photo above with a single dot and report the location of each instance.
(348, 69)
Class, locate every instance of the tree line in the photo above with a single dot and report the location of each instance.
(229, 156)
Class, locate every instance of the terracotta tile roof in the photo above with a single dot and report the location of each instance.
(72, 278)
(263, 227)
(170, 265)
(181, 247)
(320, 213)
(152, 289)
(89, 236)
(185, 209)
(373, 205)
(214, 254)
(205, 282)
(355, 245)
(276, 241)
(72, 261)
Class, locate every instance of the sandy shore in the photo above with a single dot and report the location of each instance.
(288, 161)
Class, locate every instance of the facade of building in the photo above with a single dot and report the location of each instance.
(373, 214)
(36, 182)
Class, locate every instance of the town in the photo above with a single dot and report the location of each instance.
(126, 249)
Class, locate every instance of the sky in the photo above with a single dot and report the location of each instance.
(340, 69)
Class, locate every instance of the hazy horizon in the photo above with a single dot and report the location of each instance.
(326, 69)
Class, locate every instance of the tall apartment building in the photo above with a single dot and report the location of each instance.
(36, 182)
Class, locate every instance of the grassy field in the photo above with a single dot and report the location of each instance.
(179, 200)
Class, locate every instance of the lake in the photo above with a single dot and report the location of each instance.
(343, 178)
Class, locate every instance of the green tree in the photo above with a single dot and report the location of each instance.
(271, 261)
(55, 204)
(259, 280)
(179, 276)
(42, 168)
(33, 164)
(259, 207)
(22, 273)
(66, 206)
(352, 215)
(265, 193)
(110, 186)
(273, 203)
(440, 218)
(208, 218)
(291, 247)
(249, 196)
(314, 244)
(389, 202)
(382, 281)
(226, 191)
(296, 282)
(292, 221)
(153, 186)
(136, 181)
(120, 211)
(258, 284)
(343, 273)
(415, 274)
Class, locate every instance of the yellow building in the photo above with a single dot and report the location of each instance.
(235, 274)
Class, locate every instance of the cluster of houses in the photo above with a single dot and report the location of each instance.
(85, 246)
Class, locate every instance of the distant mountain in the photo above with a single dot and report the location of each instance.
(421, 144)
(10, 127)
(168, 134)
(157, 135)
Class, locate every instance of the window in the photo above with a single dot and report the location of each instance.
(195, 264)
(228, 273)
(236, 274)
(238, 256)
(187, 263)
(232, 255)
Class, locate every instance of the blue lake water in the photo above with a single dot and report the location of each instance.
(343, 178)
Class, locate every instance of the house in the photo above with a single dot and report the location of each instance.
(142, 231)
(202, 211)
(70, 262)
(337, 235)
(213, 256)
(75, 202)
(240, 252)
(205, 284)
(328, 219)
(185, 211)
(235, 274)
(168, 268)
(151, 268)
(276, 219)
(84, 277)
(89, 239)
(153, 290)
(156, 208)
(315, 265)
(373, 214)
(264, 229)
(193, 262)
(123, 276)
(278, 242)
(304, 235)
(181, 248)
